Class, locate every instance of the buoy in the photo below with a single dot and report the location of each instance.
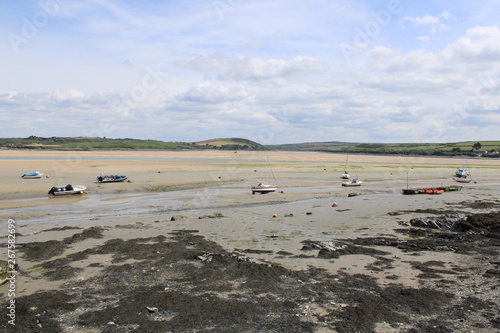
(47, 176)
(335, 204)
(275, 215)
(129, 181)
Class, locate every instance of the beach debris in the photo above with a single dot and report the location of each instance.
(352, 194)
(309, 213)
(211, 216)
(151, 309)
(178, 217)
(335, 204)
(289, 215)
(323, 246)
(282, 191)
(209, 257)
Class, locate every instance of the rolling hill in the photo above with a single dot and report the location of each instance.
(468, 148)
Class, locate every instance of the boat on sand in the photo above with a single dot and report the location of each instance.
(352, 183)
(111, 178)
(263, 188)
(67, 190)
(33, 175)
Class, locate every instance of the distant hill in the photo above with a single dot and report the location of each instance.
(93, 143)
(470, 148)
(231, 144)
(466, 148)
(87, 143)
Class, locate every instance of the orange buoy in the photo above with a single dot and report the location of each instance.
(335, 204)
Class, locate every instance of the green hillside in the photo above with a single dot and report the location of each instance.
(231, 144)
(86, 143)
(472, 148)
(466, 148)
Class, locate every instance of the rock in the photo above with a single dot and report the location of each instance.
(211, 216)
(178, 218)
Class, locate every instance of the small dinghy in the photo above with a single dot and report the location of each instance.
(33, 175)
(354, 182)
(67, 190)
(111, 178)
(263, 188)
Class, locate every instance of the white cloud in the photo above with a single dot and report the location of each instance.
(255, 69)
(71, 96)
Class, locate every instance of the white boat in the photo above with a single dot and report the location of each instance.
(263, 188)
(111, 178)
(33, 175)
(67, 190)
(345, 175)
(354, 182)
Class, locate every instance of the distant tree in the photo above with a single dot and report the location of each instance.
(477, 146)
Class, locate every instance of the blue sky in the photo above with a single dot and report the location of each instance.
(270, 71)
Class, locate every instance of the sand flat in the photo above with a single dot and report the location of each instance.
(209, 191)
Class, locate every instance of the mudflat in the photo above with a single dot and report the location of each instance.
(184, 246)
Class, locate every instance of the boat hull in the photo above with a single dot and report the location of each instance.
(34, 175)
(462, 180)
(352, 183)
(111, 179)
(431, 190)
(263, 189)
(64, 190)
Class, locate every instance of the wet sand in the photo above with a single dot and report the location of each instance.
(200, 204)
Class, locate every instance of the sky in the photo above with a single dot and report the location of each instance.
(271, 71)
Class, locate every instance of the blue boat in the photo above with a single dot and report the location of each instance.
(33, 175)
(111, 178)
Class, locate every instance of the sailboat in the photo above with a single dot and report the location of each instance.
(345, 175)
(263, 187)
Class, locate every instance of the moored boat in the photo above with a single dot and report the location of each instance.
(67, 190)
(111, 178)
(431, 190)
(354, 182)
(263, 188)
(462, 172)
(33, 175)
